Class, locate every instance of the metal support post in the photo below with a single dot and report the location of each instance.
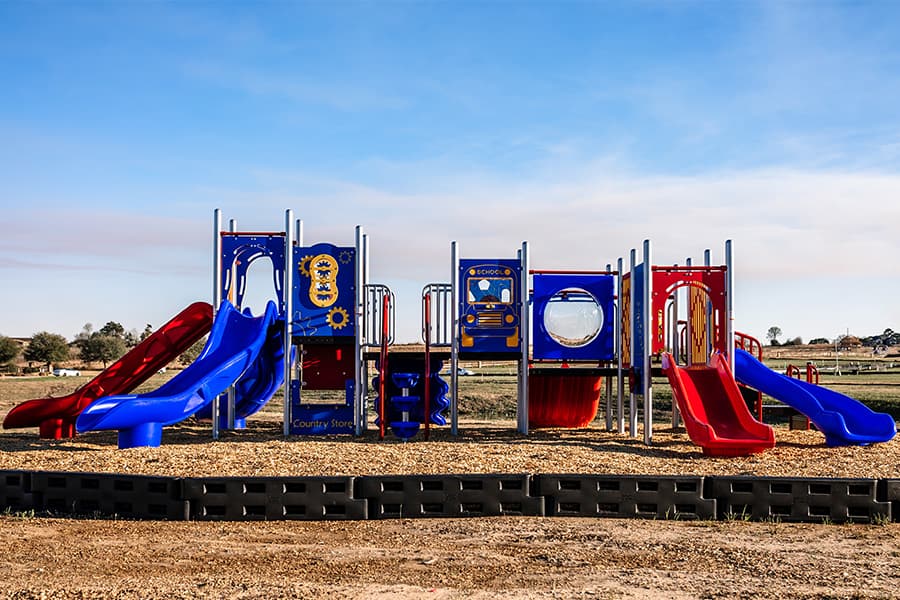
(288, 315)
(454, 338)
(632, 397)
(217, 298)
(648, 344)
(609, 400)
(230, 394)
(359, 340)
(620, 379)
(524, 339)
(729, 303)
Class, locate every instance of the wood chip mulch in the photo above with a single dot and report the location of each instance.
(481, 447)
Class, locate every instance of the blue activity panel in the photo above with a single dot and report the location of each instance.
(637, 336)
(574, 317)
(490, 307)
(239, 251)
(324, 291)
(321, 419)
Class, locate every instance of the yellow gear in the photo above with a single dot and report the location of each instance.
(341, 322)
(323, 291)
(303, 265)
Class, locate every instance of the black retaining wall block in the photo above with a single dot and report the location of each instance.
(652, 497)
(135, 496)
(273, 499)
(15, 491)
(383, 497)
(890, 492)
(808, 500)
(401, 496)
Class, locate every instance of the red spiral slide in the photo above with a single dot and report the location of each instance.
(56, 416)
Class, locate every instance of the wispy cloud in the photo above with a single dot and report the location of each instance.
(294, 86)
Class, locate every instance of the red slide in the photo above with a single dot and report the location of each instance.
(56, 416)
(715, 414)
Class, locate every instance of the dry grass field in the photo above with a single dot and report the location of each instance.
(449, 558)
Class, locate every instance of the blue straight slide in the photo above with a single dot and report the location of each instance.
(843, 420)
(234, 344)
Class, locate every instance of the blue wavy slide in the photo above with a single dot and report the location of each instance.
(234, 345)
(843, 420)
(258, 383)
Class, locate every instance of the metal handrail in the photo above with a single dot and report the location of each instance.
(437, 321)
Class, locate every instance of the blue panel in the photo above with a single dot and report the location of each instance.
(637, 336)
(239, 252)
(324, 291)
(599, 298)
(490, 306)
(321, 419)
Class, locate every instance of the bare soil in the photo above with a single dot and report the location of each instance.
(453, 558)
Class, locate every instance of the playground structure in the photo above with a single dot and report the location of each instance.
(566, 330)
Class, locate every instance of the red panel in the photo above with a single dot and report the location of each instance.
(56, 416)
(563, 400)
(327, 367)
(667, 279)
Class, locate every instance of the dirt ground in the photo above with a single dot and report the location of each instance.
(453, 558)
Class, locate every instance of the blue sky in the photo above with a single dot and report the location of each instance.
(581, 127)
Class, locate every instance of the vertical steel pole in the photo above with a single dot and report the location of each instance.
(288, 316)
(609, 402)
(707, 262)
(689, 326)
(364, 339)
(229, 395)
(729, 302)
(632, 397)
(359, 304)
(620, 379)
(298, 236)
(217, 298)
(648, 344)
(454, 338)
(525, 340)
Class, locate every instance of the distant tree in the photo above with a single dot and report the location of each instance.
(773, 334)
(85, 332)
(102, 348)
(819, 340)
(9, 350)
(797, 341)
(148, 331)
(131, 338)
(191, 354)
(47, 348)
(113, 329)
(849, 341)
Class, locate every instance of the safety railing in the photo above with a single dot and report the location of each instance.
(375, 307)
(437, 314)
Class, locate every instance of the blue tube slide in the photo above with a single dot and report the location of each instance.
(843, 420)
(234, 344)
